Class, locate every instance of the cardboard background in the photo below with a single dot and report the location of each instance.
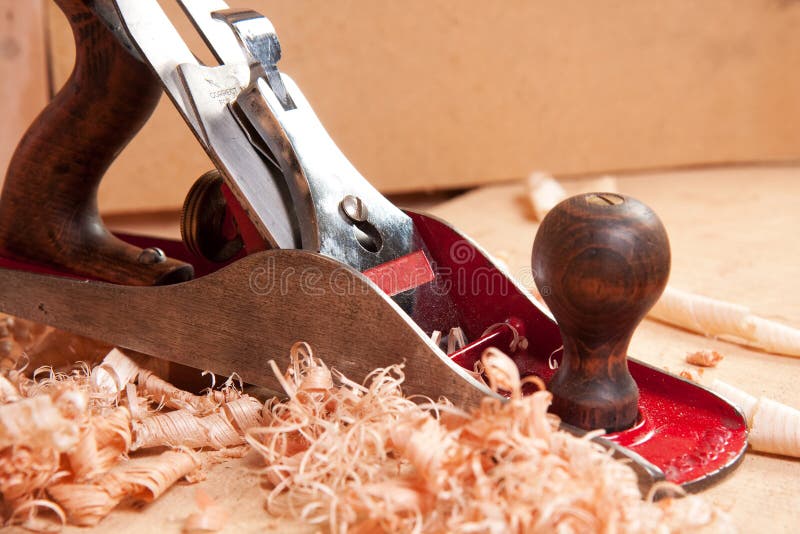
(427, 94)
(23, 71)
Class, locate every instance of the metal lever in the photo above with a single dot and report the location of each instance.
(323, 184)
(260, 44)
(201, 94)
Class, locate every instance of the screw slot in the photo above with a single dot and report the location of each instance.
(604, 199)
(354, 209)
(355, 212)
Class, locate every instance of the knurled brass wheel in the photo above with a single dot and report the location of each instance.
(206, 227)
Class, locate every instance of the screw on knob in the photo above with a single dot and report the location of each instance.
(600, 260)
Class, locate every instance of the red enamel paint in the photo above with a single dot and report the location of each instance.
(237, 221)
(404, 273)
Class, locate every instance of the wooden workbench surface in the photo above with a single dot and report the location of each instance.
(734, 237)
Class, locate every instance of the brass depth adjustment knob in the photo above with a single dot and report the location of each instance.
(207, 228)
(600, 260)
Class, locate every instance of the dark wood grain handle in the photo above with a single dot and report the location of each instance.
(48, 208)
(600, 261)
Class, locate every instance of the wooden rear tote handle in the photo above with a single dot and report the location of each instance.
(48, 208)
(600, 261)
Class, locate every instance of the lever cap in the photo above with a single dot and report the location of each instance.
(600, 260)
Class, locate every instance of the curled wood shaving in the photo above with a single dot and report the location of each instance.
(224, 428)
(712, 317)
(114, 372)
(117, 371)
(517, 342)
(150, 477)
(181, 427)
(701, 314)
(544, 192)
(436, 337)
(227, 394)
(689, 375)
(138, 406)
(774, 427)
(363, 458)
(704, 358)
(744, 400)
(245, 412)
(456, 340)
(35, 432)
(28, 515)
(143, 479)
(105, 441)
(160, 390)
(774, 337)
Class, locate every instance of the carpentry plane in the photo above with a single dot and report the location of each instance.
(284, 241)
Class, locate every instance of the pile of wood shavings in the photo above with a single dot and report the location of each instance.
(67, 440)
(363, 458)
(352, 457)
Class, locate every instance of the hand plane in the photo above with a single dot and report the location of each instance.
(284, 241)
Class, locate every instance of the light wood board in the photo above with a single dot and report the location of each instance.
(733, 235)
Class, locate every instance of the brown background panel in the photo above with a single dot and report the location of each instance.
(434, 94)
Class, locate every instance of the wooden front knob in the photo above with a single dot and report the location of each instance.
(600, 260)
